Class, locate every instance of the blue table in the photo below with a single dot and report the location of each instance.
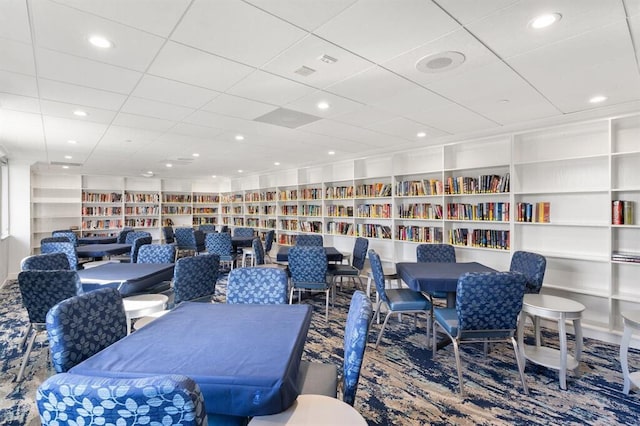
(245, 358)
(242, 241)
(128, 278)
(102, 250)
(97, 240)
(333, 255)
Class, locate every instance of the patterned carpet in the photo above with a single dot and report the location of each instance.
(400, 384)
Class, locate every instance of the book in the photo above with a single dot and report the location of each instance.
(617, 217)
(627, 212)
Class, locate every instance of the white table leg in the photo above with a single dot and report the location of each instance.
(624, 349)
(563, 354)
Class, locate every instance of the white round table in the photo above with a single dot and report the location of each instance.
(312, 410)
(560, 310)
(143, 305)
(631, 320)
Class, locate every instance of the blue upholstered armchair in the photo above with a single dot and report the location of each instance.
(221, 245)
(257, 285)
(308, 267)
(60, 245)
(487, 309)
(190, 240)
(122, 235)
(357, 263)
(137, 244)
(442, 253)
(194, 278)
(268, 243)
(168, 234)
(243, 232)
(207, 228)
(309, 240)
(401, 300)
(82, 326)
(41, 290)
(157, 253)
(94, 400)
(533, 266)
(68, 234)
(45, 262)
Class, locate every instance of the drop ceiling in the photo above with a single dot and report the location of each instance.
(188, 77)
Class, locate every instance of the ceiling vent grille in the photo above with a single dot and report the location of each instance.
(304, 71)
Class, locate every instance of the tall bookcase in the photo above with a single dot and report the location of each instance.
(102, 209)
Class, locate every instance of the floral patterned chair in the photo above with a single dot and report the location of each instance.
(309, 240)
(45, 262)
(157, 253)
(61, 245)
(308, 267)
(442, 253)
(257, 285)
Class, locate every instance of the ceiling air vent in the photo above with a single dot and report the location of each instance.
(304, 71)
(64, 163)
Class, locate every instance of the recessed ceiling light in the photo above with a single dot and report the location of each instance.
(195, 154)
(239, 170)
(421, 134)
(440, 62)
(68, 157)
(276, 163)
(504, 101)
(239, 137)
(214, 176)
(331, 152)
(597, 99)
(72, 142)
(150, 172)
(65, 167)
(101, 42)
(544, 21)
(323, 105)
(80, 113)
(169, 165)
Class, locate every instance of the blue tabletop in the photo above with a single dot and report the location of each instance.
(97, 240)
(101, 250)
(432, 277)
(242, 241)
(245, 358)
(128, 278)
(333, 255)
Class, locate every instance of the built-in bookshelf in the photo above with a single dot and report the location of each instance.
(206, 208)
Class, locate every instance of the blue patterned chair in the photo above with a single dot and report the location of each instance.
(243, 232)
(137, 244)
(92, 400)
(122, 235)
(309, 240)
(45, 262)
(168, 234)
(441, 253)
(133, 235)
(194, 278)
(221, 245)
(82, 326)
(353, 271)
(533, 266)
(268, 243)
(257, 285)
(157, 253)
(258, 252)
(400, 300)
(41, 290)
(189, 240)
(61, 245)
(308, 268)
(487, 309)
(67, 233)
(207, 228)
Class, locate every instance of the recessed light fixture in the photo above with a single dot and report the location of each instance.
(65, 167)
(239, 137)
(150, 172)
(68, 157)
(440, 62)
(331, 153)
(80, 113)
(72, 142)
(421, 134)
(239, 170)
(504, 101)
(99, 41)
(276, 163)
(323, 105)
(195, 154)
(214, 176)
(597, 99)
(544, 21)
(169, 165)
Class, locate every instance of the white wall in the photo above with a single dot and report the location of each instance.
(19, 241)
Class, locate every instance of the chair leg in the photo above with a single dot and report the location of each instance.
(326, 308)
(520, 362)
(383, 326)
(434, 343)
(291, 296)
(23, 341)
(456, 351)
(25, 358)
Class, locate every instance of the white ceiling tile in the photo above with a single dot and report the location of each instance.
(364, 116)
(632, 7)
(238, 107)
(192, 66)
(22, 130)
(406, 129)
(466, 11)
(337, 104)
(173, 92)
(16, 57)
(452, 119)
(270, 89)
(307, 53)
(18, 84)
(476, 55)
(308, 14)
(569, 73)
(133, 49)
(155, 109)
(412, 100)
(60, 130)
(19, 103)
(507, 31)
(380, 30)
(72, 94)
(149, 123)
(351, 133)
(155, 16)
(65, 110)
(359, 87)
(236, 30)
(203, 132)
(85, 72)
(129, 136)
(14, 21)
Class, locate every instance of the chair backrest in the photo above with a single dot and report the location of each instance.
(82, 326)
(224, 228)
(308, 264)
(41, 290)
(195, 277)
(122, 235)
(167, 233)
(258, 251)
(378, 274)
(45, 262)
(533, 266)
(185, 238)
(199, 236)
(355, 342)
(219, 243)
(207, 227)
(429, 253)
(135, 247)
(309, 240)
(243, 232)
(359, 253)
(154, 400)
(489, 301)
(264, 286)
(60, 245)
(268, 240)
(69, 234)
(157, 253)
(131, 236)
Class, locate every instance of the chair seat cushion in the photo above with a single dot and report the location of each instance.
(448, 319)
(338, 269)
(405, 299)
(438, 294)
(318, 379)
(311, 286)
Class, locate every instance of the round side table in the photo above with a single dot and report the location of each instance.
(313, 410)
(560, 310)
(143, 305)
(631, 320)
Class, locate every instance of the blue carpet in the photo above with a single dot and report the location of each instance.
(400, 384)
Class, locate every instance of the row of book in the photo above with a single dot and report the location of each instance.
(142, 211)
(480, 185)
(413, 188)
(370, 230)
(205, 210)
(238, 221)
(141, 222)
(620, 256)
(291, 194)
(176, 198)
(176, 210)
(310, 210)
(205, 221)
(101, 211)
(480, 211)
(420, 211)
(289, 210)
(289, 224)
(339, 192)
(378, 211)
(253, 222)
(419, 234)
(102, 224)
(528, 212)
(622, 212)
(487, 238)
(311, 194)
(340, 228)
(136, 197)
(339, 211)
(101, 197)
(311, 226)
(374, 190)
(206, 199)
